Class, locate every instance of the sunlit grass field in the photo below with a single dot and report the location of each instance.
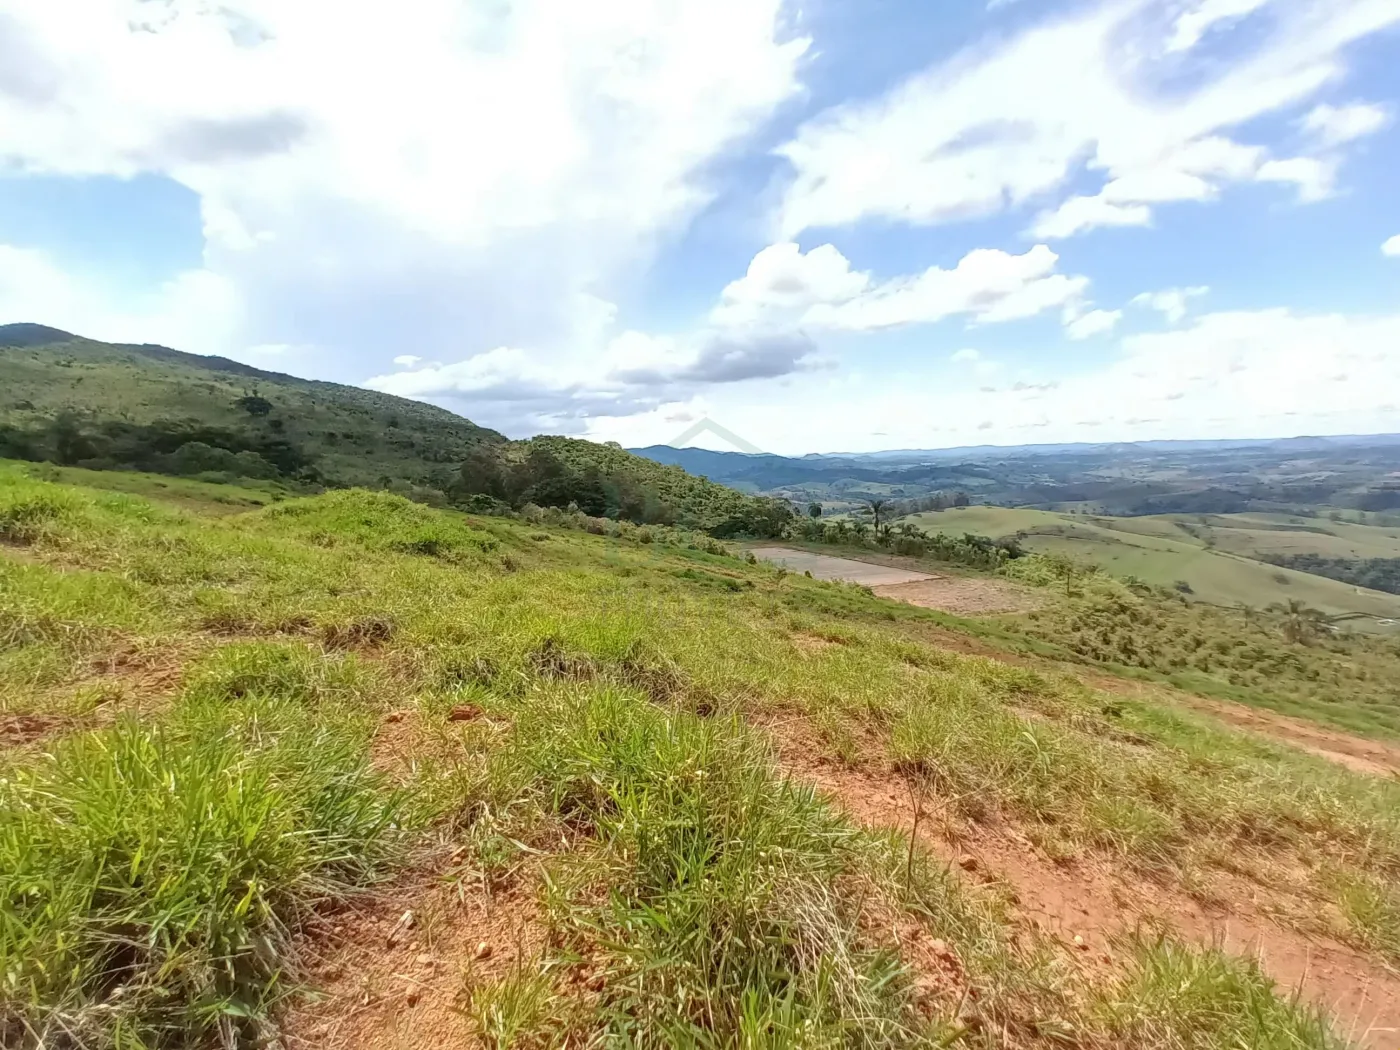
(1215, 556)
(191, 780)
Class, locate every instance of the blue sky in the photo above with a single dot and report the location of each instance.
(832, 225)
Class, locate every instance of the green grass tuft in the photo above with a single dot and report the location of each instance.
(151, 875)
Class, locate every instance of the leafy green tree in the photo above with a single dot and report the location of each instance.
(254, 405)
(1300, 623)
(814, 510)
(876, 506)
(481, 474)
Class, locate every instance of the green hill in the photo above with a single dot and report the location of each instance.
(351, 764)
(78, 402)
(607, 480)
(81, 403)
(1219, 559)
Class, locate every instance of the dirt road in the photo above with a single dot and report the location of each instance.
(825, 567)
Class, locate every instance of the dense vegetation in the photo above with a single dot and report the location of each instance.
(910, 541)
(1380, 574)
(83, 403)
(75, 402)
(607, 481)
(206, 706)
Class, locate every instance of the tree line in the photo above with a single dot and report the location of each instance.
(1379, 574)
(603, 482)
(185, 447)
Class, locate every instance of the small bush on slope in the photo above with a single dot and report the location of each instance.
(1352, 681)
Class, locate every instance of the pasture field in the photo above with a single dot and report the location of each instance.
(346, 771)
(1215, 556)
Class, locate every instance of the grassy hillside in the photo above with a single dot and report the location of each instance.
(608, 792)
(84, 404)
(1214, 556)
(129, 405)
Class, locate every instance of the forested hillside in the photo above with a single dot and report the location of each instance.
(77, 402)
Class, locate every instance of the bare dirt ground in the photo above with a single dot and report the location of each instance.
(1357, 753)
(1088, 905)
(396, 972)
(961, 595)
(20, 730)
(825, 567)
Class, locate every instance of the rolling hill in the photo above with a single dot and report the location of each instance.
(81, 403)
(1217, 559)
(346, 767)
(124, 405)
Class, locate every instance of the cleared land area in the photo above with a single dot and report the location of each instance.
(847, 570)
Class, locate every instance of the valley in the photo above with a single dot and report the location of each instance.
(543, 743)
(1217, 559)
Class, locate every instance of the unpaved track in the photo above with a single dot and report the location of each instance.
(825, 567)
(960, 595)
(1356, 753)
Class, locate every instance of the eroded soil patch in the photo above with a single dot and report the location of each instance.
(23, 730)
(1356, 753)
(397, 971)
(1089, 904)
(961, 595)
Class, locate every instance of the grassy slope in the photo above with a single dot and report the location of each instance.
(356, 435)
(189, 493)
(1157, 550)
(169, 855)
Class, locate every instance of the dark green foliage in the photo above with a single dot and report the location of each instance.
(1379, 574)
(910, 541)
(139, 407)
(254, 405)
(607, 481)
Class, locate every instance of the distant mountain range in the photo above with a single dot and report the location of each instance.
(1140, 477)
(693, 458)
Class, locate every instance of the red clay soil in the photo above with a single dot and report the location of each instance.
(1356, 753)
(1087, 905)
(397, 972)
(961, 595)
(18, 730)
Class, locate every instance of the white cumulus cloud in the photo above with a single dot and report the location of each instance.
(1392, 246)
(452, 177)
(196, 311)
(1336, 125)
(1116, 85)
(1095, 322)
(820, 290)
(1171, 303)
